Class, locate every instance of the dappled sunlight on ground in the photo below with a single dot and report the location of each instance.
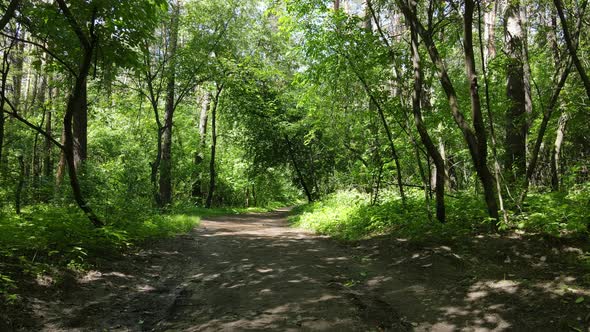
(253, 272)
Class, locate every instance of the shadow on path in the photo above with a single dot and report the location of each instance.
(254, 272)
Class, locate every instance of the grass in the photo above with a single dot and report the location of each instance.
(50, 240)
(348, 215)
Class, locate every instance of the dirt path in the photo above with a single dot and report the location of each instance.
(253, 272)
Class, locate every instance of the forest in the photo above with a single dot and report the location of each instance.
(127, 126)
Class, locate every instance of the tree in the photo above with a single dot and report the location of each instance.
(475, 137)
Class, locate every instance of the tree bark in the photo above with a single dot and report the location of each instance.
(571, 47)
(47, 161)
(424, 135)
(76, 104)
(3, 88)
(80, 127)
(483, 171)
(165, 180)
(556, 153)
(490, 24)
(497, 169)
(20, 184)
(474, 141)
(516, 129)
(212, 174)
(197, 191)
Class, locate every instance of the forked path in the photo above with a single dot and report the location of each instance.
(254, 272)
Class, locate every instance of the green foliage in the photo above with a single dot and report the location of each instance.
(555, 213)
(348, 215)
(47, 238)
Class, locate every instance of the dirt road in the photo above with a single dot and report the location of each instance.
(254, 272)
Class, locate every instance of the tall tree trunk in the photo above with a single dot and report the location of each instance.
(165, 180)
(212, 173)
(572, 48)
(497, 169)
(76, 104)
(197, 191)
(336, 5)
(527, 79)
(490, 26)
(17, 63)
(483, 171)
(37, 166)
(475, 140)
(424, 135)
(516, 122)
(556, 153)
(3, 89)
(47, 162)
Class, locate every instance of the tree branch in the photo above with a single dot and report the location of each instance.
(45, 49)
(14, 114)
(74, 24)
(9, 14)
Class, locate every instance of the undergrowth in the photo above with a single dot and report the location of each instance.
(348, 215)
(50, 240)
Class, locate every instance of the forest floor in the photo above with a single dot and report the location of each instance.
(255, 272)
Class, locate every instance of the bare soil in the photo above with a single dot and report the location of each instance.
(254, 272)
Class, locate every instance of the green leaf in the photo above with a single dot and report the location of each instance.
(580, 299)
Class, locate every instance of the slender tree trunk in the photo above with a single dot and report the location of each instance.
(80, 126)
(394, 155)
(542, 129)
(61, 165)
(497, 169)
(37, 166)
(47, 162)
(197, 191)
(556, 153)
(212, 173)
(424, 135)
(20, 185)
(298, 170)
(17, 63)
(165, 180)
(76, 103)
(551, 107)
(475, 140)
(483, 171)
(3, 81)
(569, 40)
